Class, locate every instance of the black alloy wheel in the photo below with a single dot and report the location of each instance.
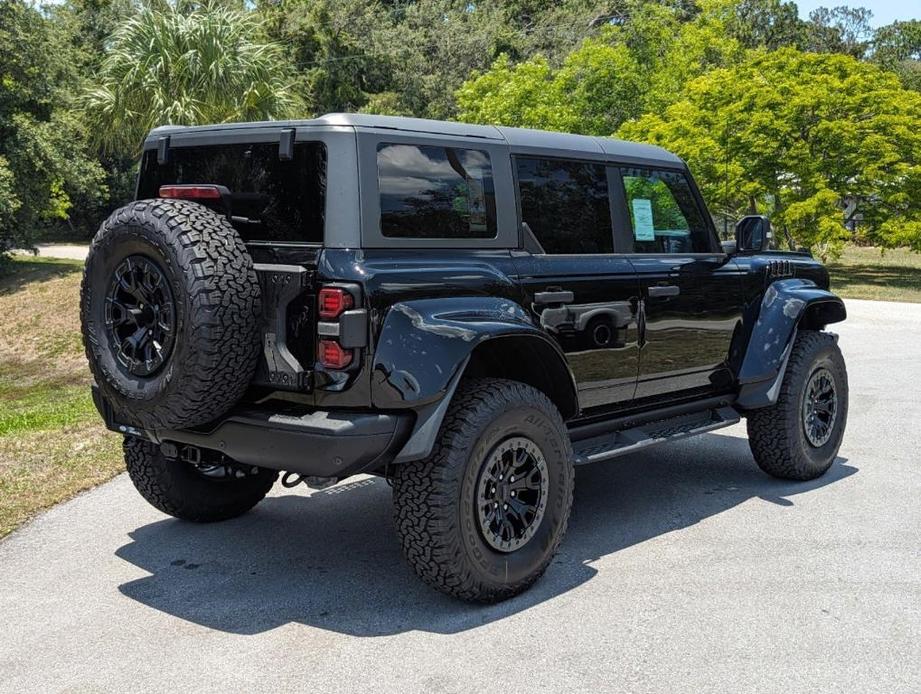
(820, 407)
(512, 494)
(140, 316)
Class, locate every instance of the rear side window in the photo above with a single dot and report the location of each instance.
(565, 205)
(429, 192)
(664, 213)
(270, 199)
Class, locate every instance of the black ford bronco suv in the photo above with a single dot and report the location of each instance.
(470, 311)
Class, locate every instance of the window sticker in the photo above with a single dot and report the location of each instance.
(476, 203)
(643, 229)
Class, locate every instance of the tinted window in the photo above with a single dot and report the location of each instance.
(435, 192)
(270, 199)
(664, 214)
(565, 205)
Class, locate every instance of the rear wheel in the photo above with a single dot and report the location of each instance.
(482, 517)
(798, 437)
(207, 491)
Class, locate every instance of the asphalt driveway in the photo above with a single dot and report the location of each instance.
(685, 569)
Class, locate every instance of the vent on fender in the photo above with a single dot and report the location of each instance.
(779, 268)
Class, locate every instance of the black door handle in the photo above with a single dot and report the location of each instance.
(664, 290)
(556, 297)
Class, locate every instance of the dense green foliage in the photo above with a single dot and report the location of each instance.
(166, 65)
(813, 121)
(826, 142)
(811, 139)
(46, 168)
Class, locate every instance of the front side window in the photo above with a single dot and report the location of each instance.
(664, 215)
(565, 205)
(430, 192)
(270, 199)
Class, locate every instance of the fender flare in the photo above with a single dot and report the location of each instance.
(788, 306)
(424, 347)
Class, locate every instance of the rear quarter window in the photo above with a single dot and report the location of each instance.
(431, 192)
(270, 199)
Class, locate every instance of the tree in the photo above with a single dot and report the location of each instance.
(897, 47)
(44, 163)
(629, 68)
(770, 24)
(839, 30)
(186, 65)
(328, 43)
(802, 137)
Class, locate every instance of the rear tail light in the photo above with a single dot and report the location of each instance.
(191, 192)
(333, 356)
(333, 301)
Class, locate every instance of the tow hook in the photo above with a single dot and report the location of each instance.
(292, 479)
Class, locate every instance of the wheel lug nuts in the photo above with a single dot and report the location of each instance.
(512, 478)
(513, 493)
(500, 478)
(504, 506)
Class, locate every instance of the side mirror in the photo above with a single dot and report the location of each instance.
(753, 233)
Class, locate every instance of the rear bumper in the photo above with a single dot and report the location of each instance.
(322, 443)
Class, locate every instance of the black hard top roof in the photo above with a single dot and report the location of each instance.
(516, 138)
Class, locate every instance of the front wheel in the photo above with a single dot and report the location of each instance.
(798, 437)
(482, 517)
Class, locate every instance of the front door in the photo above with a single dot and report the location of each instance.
(691, 291)
(581, 293)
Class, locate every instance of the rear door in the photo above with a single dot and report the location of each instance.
(691, 292)
(580, 292)
(278, 206)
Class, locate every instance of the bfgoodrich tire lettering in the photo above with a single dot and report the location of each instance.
(216, 295)
(778, 439)
(434, 499)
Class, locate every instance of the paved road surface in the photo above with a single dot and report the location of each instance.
(685, 569)
(60, 250)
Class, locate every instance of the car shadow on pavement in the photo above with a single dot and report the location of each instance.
(331, 560)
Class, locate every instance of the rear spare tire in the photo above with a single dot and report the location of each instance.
(169, 308)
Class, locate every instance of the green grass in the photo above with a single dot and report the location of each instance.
(52, 444)
(867, 273)
(46, 407)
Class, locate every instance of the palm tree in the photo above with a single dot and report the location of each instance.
(176, 64)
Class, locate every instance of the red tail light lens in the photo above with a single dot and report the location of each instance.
(191, 192)
(332, 356)
(333, 301)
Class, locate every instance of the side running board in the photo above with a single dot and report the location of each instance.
(613, 444)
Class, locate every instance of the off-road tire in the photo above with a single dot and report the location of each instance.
(776, 434)
(217, 306)
(178, 489)
(434, 507)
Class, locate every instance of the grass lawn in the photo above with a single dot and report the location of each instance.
(52, 444)
(865, 273)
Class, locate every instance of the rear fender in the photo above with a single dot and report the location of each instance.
(425, 345)
(787, 306)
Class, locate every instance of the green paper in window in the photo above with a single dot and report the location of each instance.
(643, 229)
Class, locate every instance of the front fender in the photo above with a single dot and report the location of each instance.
(785, 305)
(424, 344)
